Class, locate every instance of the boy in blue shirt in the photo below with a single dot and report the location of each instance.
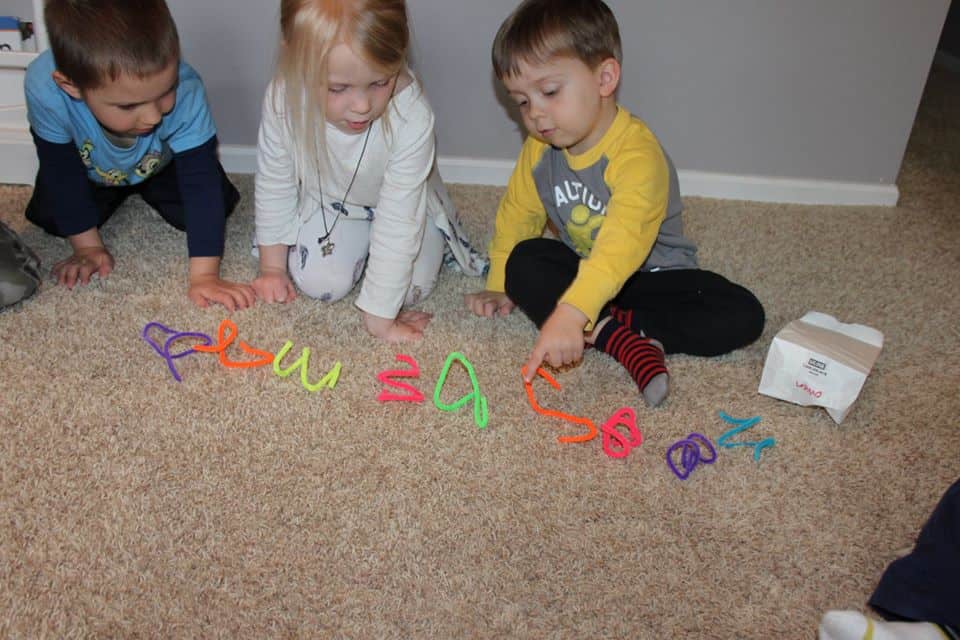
(113, 111)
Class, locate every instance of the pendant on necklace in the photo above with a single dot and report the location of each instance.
(327, 249)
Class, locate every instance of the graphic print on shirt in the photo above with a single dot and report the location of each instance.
(149, 164)
(153, 161)
(112, 177)
(581, 228)
(85, 150)
(575, 201)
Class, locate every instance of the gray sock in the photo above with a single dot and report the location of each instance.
(659, 386)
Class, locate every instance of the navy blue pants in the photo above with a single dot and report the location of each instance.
(162, 192)
(925, 585)
(688, 310)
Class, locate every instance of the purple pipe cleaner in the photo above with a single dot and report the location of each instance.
(173, 336)
(690, 454)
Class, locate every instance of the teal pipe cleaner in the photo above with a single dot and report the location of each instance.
(742, 424)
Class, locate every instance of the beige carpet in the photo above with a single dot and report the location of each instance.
(237, 504)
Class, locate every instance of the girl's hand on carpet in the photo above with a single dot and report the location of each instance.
(560, 342)
(274, 286)
(489, 303)
(84, 262)
(407, 327)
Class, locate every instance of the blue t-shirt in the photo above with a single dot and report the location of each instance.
(59, 118)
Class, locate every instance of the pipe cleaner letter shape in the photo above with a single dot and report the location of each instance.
(173, 336)
(624, 417)
(690, 454)
(386, 377)
(303, 363)
(226, 334)
(481, 414)
(591, 428)
(742, 424)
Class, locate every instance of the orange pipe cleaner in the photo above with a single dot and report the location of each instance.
(226, 334)
(586, 437)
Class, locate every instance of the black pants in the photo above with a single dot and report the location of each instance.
(923, 586)
(688, 310)
(161, 191)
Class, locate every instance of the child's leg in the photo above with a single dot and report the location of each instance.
(690, 311)
(40, 210)
(923, 585)
(426, 267)
(918, 591)
(442, 212)
(162, 192)
(538, 273)
(853, 625)
(328, 268)
(640, 355)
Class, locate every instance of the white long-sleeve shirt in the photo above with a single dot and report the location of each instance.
(392, 178)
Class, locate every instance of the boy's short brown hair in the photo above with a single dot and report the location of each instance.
(96, 41)
(541, 29)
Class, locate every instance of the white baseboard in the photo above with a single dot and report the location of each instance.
(707, 185)
(18, 166)
(237, 158)
(787, 190)
(243, 159)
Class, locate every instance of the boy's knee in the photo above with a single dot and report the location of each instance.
(754, 320)
(38, 215)
(524, 267)
(744, 323)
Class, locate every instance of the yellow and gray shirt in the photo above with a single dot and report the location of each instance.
(617, 205)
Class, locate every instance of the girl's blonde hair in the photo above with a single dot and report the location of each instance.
(376, 29)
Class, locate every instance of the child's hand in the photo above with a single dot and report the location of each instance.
(210, 288)
(206, 286)
(407, 327)
(489, 303)
(82, 265)
(274, 286)
(560, 341)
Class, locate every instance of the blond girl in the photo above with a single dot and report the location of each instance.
(347, 187)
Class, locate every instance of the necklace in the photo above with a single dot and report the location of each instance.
(327, 248)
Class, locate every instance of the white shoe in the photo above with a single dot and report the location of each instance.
(852, 625)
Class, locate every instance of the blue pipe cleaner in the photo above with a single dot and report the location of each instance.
(742, 424)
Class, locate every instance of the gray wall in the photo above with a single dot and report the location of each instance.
(818, 89)
(22, 9)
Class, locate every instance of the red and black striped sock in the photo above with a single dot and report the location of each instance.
(642, 357)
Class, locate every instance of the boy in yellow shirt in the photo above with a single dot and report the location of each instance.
(622, 276)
